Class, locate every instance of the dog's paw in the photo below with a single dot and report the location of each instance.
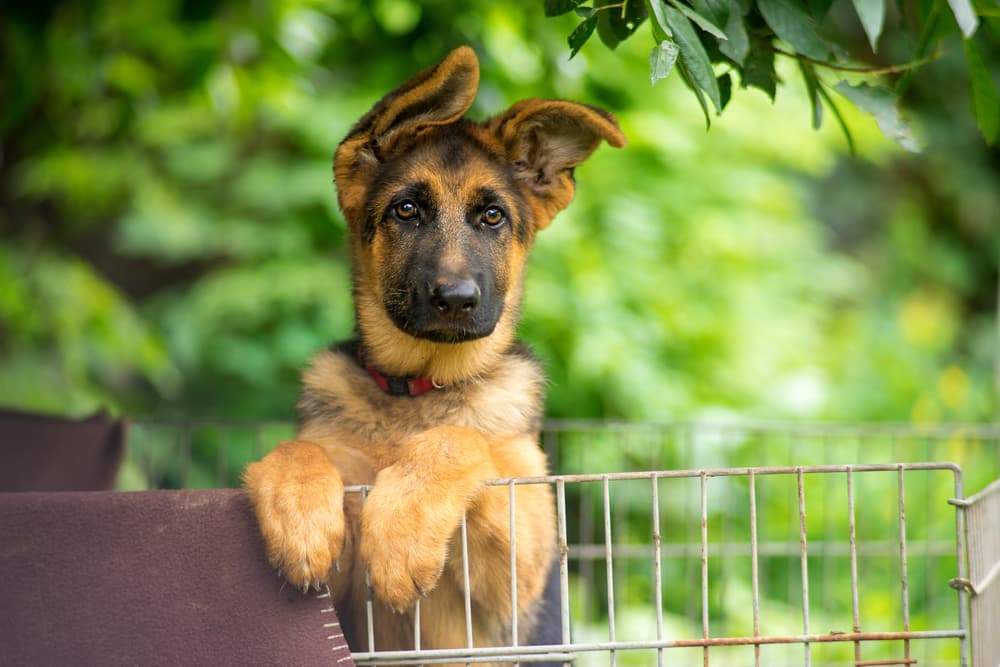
(298, 497)
(404, 539)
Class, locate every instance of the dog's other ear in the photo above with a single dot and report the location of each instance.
(438, 95)
(545, 140)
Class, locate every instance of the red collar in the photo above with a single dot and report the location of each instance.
(395, 385)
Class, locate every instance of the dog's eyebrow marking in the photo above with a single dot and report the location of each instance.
(483, 197)
(419, 192)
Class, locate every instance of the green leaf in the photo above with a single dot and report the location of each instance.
(965, 15)
(840, 119)
(693, 55)
(883, 105)
(716, 11)
(725, 82)
(758, 69)
(792, 24)
(872, 14)
(557, 7)
(700, 96)
(700, 20)
(812, 89)
(661, 60)
(661, 30)
(615, 24)
(585, 12)
(581, 34)
(985, 100)
(738, 43)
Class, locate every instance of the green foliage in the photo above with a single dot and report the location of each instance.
(743, 36)
(172, 246)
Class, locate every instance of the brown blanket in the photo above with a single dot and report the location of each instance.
(149, 578)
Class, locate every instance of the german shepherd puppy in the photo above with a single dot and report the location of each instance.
(436, 396)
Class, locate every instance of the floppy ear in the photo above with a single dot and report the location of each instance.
(438, 95)
(545, 140)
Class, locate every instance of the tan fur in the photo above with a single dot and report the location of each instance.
(427, 458)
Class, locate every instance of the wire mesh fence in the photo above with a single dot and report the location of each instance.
(746, 544)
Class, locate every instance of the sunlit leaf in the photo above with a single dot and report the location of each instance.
(661, 60)
(883, 105)
(872, 15)
(965, 15)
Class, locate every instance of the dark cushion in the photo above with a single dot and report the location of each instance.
(150, 578)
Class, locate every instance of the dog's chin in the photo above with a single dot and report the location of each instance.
(449, 334)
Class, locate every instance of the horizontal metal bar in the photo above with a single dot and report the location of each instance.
(899, 429)
(772, 549)
(712, 472)
(419, 658)
(939, 430)
(507, 652)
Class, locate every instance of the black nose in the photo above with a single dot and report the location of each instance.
(455, 299)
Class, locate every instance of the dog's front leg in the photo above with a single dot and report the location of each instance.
(414, 508)
(298, 497)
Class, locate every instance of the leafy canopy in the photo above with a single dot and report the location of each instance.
(708, 42)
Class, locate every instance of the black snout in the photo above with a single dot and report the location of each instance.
(456, 299)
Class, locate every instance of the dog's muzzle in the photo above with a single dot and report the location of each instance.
(447, 310)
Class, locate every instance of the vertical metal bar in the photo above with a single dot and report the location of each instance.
(704, 564)
(465, 581)
(185, 454)
(657, 574)
(754, 583)
(686, 434)
(550, 442)
(221, 460)
(961, 554)
(854, 561)
(369, 600)
(902, 561)
(586, 538)
(805, 563)
(563, 559)
(258, 441)
(416, 625)
(152, 479)
(513, 567)
(609, 564)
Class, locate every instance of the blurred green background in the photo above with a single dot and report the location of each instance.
(171, 249)
(171, 245)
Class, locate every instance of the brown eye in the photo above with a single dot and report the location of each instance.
(492, 216)
(406, 210)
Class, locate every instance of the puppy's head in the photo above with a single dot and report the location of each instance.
(442, 212)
